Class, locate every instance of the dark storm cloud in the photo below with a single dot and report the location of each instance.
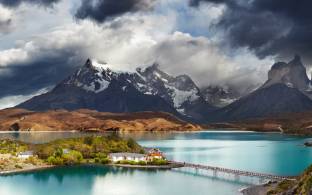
(101, 10)
(268, 27)
(27, 78)
(13, 3)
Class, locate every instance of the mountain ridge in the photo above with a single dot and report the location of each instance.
(264, 102)
(283, 92)
(101, 87)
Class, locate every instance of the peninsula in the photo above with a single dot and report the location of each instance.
(16, 156)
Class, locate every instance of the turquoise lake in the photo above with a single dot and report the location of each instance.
(259, 152)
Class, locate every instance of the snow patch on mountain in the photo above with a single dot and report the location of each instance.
(179, 96)
(103, 66)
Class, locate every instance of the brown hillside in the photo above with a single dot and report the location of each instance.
(88, 120)
(290, 123)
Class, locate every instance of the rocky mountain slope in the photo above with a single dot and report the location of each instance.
(220, 96)
(268, 101)
(284, 92)
(88, 120)
(101, 87)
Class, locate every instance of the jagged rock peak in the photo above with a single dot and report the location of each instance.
(292, 74)
(297, 57)
(88, 63)
(296, 61)
(155, 65)
(91, 63)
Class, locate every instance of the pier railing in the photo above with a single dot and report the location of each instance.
(233, 171)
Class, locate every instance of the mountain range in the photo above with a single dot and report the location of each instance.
(102, 87)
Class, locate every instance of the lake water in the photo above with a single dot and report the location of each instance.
(260, 152)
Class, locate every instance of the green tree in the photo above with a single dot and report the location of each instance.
(73, 157)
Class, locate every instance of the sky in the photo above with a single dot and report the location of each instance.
(217, 42)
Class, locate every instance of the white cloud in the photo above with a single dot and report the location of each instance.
(134, 40)
(11, 56)
(202, 59)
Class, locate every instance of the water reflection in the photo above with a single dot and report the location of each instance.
(98, 180)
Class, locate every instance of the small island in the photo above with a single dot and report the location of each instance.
(16, 156)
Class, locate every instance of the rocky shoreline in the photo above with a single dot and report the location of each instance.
(26, 170)
(261, 189)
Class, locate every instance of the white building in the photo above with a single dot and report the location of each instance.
(25, 155)
(115, 157)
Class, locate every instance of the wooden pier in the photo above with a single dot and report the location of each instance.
(233, 171)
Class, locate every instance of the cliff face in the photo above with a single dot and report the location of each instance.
(287, 90)
(265, 102)
(293, 74)
(87, 120)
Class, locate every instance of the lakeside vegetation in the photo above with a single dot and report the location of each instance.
(302, 185)
(94, 149)
(156, 162)
(12, 147)
(72, 151)
(9, 160)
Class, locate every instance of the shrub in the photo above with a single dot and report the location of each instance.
(101, 155)
(58, 152)
(126, 162)
(96, 160)
(55, 160)
(131, 143)
(142, 163)
(104, 161)
(45, 151)
(31, 160)
(88, 140)
(18, 166)
(73, 157)
(158, 162)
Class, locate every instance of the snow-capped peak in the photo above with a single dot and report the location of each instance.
(104, 66)
(178, 91)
